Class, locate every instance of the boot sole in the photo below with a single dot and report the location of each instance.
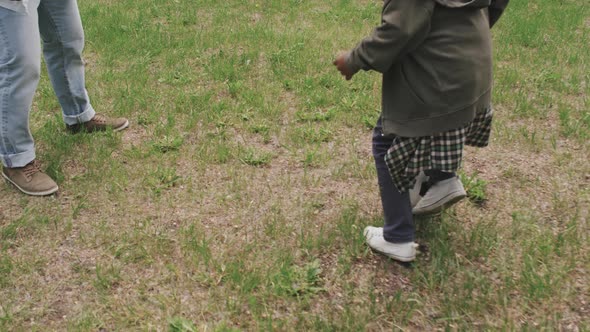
(76, 129)
(125, 125)
(38, 193)
(442, 204)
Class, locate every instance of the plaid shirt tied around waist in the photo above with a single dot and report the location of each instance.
(408, 156)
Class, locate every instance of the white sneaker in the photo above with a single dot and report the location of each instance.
(441, 195)
(403, 252)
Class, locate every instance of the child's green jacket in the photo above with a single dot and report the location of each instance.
(436, 60)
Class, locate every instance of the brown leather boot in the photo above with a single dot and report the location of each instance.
(99, 123)
(30, 179)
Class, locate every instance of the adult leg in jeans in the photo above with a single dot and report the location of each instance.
(63, 41)
(20, 61)
(399, 224)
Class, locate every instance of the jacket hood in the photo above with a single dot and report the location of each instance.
(464, 3)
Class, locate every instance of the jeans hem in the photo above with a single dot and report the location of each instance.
(18, 160)
(85, 116)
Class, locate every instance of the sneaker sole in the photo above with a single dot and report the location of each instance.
(404, 259)
(39, 193)
(444, 203)
(398, 258)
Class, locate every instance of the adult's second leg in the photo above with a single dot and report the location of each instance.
(63, 42)
(20, 61)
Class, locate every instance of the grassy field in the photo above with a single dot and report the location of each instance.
(236, 199)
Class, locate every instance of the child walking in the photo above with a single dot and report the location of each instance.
(436, 61)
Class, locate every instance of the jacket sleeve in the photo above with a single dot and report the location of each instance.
(404, 24)
(496, 9)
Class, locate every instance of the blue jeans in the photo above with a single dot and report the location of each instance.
(57, 23)
(397, 210)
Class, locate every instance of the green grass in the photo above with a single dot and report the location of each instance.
(237, 198)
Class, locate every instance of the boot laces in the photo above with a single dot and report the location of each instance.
(99, 119)
(31, 169)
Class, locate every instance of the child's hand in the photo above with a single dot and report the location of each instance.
(340, 63)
